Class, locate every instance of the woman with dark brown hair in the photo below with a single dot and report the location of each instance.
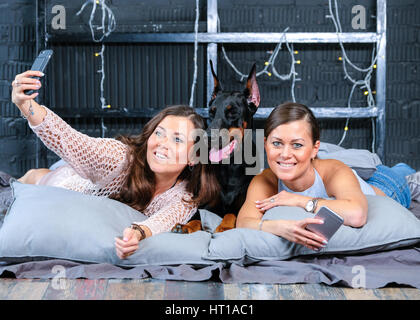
(297, 177)
(155, 172)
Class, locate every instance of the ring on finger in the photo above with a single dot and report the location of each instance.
(272, 200)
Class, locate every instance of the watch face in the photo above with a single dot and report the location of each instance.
(309, 206)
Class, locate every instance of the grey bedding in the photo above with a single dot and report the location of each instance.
(370, 270)
(398, 266)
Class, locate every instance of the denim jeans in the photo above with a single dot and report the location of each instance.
(392, 182)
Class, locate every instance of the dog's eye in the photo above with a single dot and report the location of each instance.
(212, 112)
(231, 114)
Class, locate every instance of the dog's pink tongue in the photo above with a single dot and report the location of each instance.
(218, 155)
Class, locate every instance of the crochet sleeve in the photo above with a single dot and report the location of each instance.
(175, 211)
(98, 159)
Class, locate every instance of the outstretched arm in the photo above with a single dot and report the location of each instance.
(97, 159)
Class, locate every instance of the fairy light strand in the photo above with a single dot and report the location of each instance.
(363, 83)
(106, 29)
(197, 16)
(270, 63)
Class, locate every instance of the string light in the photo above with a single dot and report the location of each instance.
(197, 15)
(106, 31)
(364, 83)
(270, 63)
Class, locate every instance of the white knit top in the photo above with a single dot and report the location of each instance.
(99, 166)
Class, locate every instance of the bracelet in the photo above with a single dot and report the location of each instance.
(260, 225)
(31, 111)
(139, 229)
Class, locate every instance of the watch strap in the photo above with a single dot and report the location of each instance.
(139, 229)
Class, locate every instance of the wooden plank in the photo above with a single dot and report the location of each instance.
(27, 289)
(6, 285)
(411, 293)
(264, 292)
(361, 294)
(154, 289)
(78, 289)
(184, 290)
(392, 294)
(310, 292)
(237, 291)
(135, 289)
(55, 293)
(90, 289)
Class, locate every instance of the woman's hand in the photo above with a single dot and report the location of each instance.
(283, 198)
(129, 243)
(22, 82)
(295, 231)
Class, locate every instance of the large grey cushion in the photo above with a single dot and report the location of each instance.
(389, 226)
(48, 222)
(362, 161)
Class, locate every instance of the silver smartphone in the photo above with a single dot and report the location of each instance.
(332, 222)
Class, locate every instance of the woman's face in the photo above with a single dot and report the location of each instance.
(289, 149)
(169, 145)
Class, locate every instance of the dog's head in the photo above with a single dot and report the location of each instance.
(231, 112)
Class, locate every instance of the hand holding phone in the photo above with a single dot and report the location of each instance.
(40, 64)
(332, 222)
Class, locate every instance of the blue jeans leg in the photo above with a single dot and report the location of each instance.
(393, 183)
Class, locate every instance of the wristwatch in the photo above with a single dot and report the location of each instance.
(311, 205)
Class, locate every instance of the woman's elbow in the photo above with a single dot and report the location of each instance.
(358, 219)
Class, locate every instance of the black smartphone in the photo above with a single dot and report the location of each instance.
(332, 222)
(40, 64)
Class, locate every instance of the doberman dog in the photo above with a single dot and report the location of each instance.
(232, 112)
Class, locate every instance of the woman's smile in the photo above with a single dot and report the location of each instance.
(160, 156)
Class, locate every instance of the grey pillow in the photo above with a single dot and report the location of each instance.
(389, 226)
(48, 222)
(362, 161)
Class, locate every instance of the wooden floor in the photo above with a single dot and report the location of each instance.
(151, 289)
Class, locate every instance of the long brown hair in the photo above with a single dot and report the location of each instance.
(288, 112)
(138, 189)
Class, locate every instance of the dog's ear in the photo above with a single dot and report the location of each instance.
(251, 90)
(217, 85)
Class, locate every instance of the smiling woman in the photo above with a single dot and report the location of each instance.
(154, 172)
(296, 177)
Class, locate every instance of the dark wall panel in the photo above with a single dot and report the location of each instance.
(140, 76)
